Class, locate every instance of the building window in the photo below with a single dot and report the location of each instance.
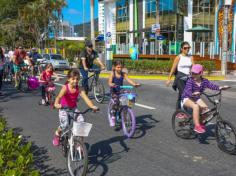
(122, 10)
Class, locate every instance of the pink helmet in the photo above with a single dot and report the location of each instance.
(197, 68)
(33, 82)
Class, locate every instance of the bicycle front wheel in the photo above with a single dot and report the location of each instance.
(128, 121)
(99, 92)
(226, 136)
(77, 159)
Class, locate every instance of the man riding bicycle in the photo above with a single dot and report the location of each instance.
(18, 63)
(88, 55)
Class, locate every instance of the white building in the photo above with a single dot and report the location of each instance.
(66, 29)
(101, 19)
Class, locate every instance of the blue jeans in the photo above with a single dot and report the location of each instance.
(84, 79)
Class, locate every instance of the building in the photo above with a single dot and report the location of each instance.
(84, 29)
(131, 21)
(66, 29)
(101, 19)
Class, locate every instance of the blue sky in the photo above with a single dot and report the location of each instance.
(74, 11)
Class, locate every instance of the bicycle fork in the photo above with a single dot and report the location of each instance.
(74, 150)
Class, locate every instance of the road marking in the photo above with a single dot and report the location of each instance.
(144, 106)
(229, 80)
(137, 104)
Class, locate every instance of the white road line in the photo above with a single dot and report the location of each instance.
(137, 104)
(229, 80)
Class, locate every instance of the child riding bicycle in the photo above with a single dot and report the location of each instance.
(196, 85)
(46, 79)
(115, 80)
(67, 98)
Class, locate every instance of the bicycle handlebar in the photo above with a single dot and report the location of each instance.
(94, 70)
(123, 87)
(72, 110)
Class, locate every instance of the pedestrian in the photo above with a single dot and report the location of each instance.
(181, 69)
(2, 62)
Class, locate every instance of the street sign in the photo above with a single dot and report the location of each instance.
(160, 37)
(155, 28)
(108, 34)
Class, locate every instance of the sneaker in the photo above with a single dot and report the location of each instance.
(112, 121)
(56, 140)
(199, 129)
(181, 116)
(43, 102)
(203, 126)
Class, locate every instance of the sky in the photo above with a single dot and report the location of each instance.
(74, 11)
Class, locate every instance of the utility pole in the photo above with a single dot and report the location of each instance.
(92, 22)
(83, 17)
(224, 57)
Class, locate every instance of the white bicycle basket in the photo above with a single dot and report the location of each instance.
(81, 128)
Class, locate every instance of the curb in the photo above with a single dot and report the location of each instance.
(160, 77)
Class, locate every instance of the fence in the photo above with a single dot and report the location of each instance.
(161, 47)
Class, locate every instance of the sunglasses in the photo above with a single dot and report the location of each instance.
(185, 48)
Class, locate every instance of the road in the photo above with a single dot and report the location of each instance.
(154, 150)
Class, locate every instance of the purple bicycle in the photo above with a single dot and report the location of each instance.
(120, 108)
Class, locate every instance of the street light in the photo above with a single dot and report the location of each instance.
(224, 57)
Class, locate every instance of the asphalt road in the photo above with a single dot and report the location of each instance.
(154, 150)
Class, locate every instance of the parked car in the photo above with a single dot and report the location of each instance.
(57, 61)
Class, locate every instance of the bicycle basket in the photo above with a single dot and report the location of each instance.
(127, 99)
(81, 128)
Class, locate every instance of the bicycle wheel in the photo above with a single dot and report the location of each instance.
(99, 92)
(110, 104)
(182, 125)
(77, 160)
(51, 99)
(226, 136)
(23, 85)
(128, 121)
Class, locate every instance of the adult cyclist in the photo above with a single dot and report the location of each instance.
(18, 62)
(88, 56)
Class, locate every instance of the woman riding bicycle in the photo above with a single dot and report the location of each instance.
(115, 80)
(67, 98)
(181, 68)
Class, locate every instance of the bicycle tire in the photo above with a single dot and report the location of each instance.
(110, 104)
(99, 92)
(183, 127)
(128, 121)
(83, 158)
(221, 140)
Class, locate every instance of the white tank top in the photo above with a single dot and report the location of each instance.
(184, 64)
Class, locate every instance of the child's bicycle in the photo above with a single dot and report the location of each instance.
(95, 85)
(50, 94)
(122, 106)
(225, 132)
(72, 143)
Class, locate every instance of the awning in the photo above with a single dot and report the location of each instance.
(199, 29)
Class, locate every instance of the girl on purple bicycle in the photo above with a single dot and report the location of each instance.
(115, 80)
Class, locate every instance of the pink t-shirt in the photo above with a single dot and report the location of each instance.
(47, 76)
(70, 99)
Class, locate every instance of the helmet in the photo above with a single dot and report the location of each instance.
(197, 68)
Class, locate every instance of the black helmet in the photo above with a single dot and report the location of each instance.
(88, 43)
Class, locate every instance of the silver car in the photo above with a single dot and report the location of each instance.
(57, 61)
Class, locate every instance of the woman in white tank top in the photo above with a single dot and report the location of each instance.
(181, 68)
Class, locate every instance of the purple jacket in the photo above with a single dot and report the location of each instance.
(192, 87)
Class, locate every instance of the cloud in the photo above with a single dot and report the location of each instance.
(74, 12)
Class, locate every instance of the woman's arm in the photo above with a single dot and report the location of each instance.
(59, 96)
(173, 69)
(192, 59)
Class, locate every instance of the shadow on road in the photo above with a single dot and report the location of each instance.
(101, 154)
(144, 123)
(208, 135)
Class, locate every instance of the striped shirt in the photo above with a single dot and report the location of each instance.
(191, 87)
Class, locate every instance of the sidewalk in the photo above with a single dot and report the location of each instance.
(105, 74)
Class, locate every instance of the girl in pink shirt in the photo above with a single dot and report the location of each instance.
(68, 98)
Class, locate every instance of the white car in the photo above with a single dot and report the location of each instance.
(57, 61)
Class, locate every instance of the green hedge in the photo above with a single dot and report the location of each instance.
(16, 158)
(159, 66)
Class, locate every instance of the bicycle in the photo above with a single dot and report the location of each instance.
(121, 105)
(182, 124)
(72, 143)
(50, 94)
(95, 85)
(23, 80)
